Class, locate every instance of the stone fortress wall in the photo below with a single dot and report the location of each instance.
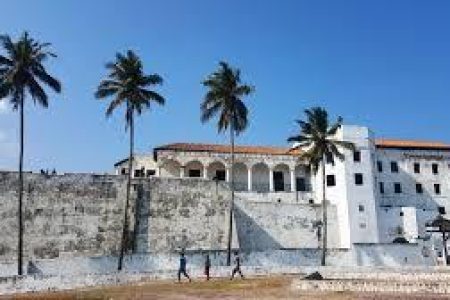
(80, 215)
(63, 215)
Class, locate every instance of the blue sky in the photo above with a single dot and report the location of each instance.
(384, 64)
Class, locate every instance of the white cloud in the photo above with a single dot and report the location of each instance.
(8, 150)
(3, 106)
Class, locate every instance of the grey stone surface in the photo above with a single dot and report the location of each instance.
(64, 215)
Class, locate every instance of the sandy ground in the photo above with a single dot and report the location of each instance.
(255, 288)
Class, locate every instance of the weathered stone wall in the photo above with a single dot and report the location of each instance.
(187, 213)
(72, 214)
(278, 225)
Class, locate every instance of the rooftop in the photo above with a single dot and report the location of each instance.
(268, 150)
(411, 144)
(216, 148)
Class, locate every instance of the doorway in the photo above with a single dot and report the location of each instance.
(278, 180)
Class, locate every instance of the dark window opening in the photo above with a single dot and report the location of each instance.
(397, 188)
(441, 210)
(195, 173)
(401, 214)
(124, 171)
(139, 173)
(416, 168)
(301, 184)
(331, 180)
(357, 156)
(435, 168)
(278, 181)
(358, 179)
(380, 166)
(419, 188)
(220, 175)
(437, 188)
(381, 186)
(394, 167)
(361, 208)
(329, 158)
(151, 173)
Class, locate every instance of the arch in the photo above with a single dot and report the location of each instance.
(282, 178)
(193, 169)
(240, 174)
(170, 168)
(260, 177)
(217, 170)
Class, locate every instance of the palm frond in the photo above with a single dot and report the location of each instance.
(5, 61)
(318, 137)
(37, 92)
(151, 95)
(224, 98)
(153, 79)
(335, 127)
(127, 84)
(43, 76)
(344, 144)
(114, 105)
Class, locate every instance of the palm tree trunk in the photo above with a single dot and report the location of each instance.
(124, 243)
(20, 245)
(230, 224)
(324, 216)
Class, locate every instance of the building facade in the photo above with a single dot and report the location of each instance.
(384, 191)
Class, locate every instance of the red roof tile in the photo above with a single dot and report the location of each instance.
(216, 148)
(411, 144)
(226, 149)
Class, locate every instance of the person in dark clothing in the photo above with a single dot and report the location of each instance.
(237, 266)
(182, 268)
(207, 266)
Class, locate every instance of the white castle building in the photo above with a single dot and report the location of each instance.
(385, 190)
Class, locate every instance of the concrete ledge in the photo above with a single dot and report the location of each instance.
(408, 287)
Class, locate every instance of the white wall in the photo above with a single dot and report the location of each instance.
(397, 222)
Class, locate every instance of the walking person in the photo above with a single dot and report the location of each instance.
(182, 268)
(207, 266)
(237, 266)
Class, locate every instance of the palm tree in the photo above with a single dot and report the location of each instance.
(316, 141)
(22, 71)
(127, 85)
(224, 100)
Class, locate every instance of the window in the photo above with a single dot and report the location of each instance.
(381, 186)
(138, 173)
(194, 173)
(435, 168)
(329, 158)
(419, 188)
(397, 188)
(380, 166)
(357, 156)
(362, 225)
(331, 180)
(394, 167)
(437, 188)
(301, 184)
(358, 178)
(441, 210)
(124, 171)
(220, 175)
(151, 173)
(361, 208)
(401, 214)
(416, 168)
